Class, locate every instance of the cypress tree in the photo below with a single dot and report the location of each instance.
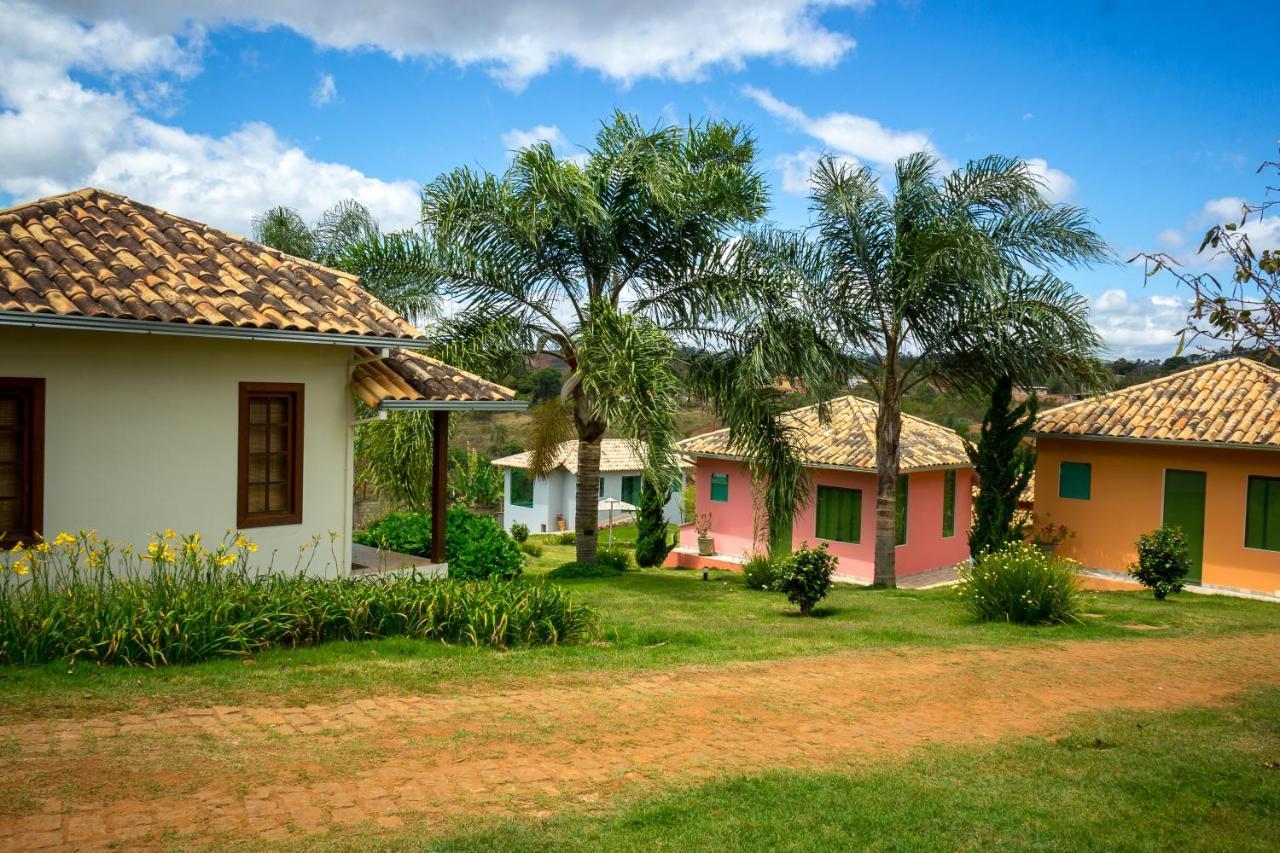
(1003, 464)
(652, 542)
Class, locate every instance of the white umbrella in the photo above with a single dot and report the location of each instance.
(611, 504)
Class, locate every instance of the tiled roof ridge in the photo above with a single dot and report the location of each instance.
(1131, 389)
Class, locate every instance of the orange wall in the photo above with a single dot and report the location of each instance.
(1127, 500)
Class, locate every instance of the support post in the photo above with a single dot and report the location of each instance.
(439, 481)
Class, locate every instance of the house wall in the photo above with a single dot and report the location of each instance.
(141, 434)
(734, 528)
(556, 495)
(1127, 500)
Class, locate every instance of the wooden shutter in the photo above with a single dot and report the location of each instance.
(839, 514)
(21, 460)
(270, 471)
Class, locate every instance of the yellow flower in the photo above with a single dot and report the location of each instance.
(226, 559)
(251, 548)
(21, 567)
(43, 547)
(168, 533)
(241, 542)
(63, 539)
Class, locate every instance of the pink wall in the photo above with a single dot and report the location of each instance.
(733, 521)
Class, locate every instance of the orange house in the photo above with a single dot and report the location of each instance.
(1199, 449)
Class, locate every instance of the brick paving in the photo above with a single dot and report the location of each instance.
(263, 774)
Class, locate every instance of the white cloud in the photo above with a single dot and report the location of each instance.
(325, 92)
(515, 139)
(1028, 116)
(517, 41)
(858, 138)
(57, 133)
(1058, 185)
(1139, 326)
(1170, 238)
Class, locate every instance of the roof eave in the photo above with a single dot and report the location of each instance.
(1167, 442)
(952, 466)
(454, 405)
(195, 330)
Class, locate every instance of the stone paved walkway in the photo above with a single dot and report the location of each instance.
(258, 774)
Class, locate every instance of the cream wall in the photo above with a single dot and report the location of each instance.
(141, 434)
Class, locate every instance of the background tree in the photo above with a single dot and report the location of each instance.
(622, 265)
(1241, 307)
(1003, 462)
(652, 542)
(930, 283)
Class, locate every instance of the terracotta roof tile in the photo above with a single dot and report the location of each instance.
(93, 253)
(1235, 401)
(847, 439)
(411, 376)
(616, 454)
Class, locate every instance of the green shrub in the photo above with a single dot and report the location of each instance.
(760, 572)
(566, 538)
(1163, 561)
(1021, 584)
(570, 571)
(805, 576)
(613, 558)
(475, 546)
(519, 532)
(533, 549)
(652, 542)
(187, 604)
(402, 532)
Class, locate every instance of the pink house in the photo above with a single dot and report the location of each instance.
(934, 495)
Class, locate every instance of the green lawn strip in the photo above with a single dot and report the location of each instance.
(654, 619)
(1196, 779)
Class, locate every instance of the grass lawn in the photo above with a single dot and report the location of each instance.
(653, 619)
(1202, 779)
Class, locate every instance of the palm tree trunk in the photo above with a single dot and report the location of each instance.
(888, 433)
(587, 514)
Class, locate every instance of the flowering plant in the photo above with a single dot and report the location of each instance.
(703, 524)
(1046, 532)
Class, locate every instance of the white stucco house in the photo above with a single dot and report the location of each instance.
(159, 373)
(544, 504)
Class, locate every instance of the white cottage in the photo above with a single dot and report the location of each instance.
(548, 504)
(159, 373)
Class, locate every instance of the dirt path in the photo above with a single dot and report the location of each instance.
(273, 773)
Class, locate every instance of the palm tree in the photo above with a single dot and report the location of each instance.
(347, 237)
(622, 263)
(947, 279)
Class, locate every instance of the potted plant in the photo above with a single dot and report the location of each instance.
(706, 545)
(1047, 536)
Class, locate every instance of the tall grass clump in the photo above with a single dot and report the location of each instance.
(78, 599)
(1021, 584)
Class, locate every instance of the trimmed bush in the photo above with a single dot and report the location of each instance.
(1021, 584)
(805, 576)
(566, 538)
(652, 542)
(1163, 561)
(402, 532)
(79, 599)
(760, 572)
(570, 571)
(533, 549)
(475, 546)
(519, 532)
(613, 558)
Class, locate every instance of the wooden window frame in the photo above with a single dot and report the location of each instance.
(520, 472)
(824, 507)
(949, 479)
(1071, 464)
(712, 488)
(244, 518)
(34, 468)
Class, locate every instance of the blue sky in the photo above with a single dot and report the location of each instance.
(1153, 116)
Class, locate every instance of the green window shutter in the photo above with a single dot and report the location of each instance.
(719, 487)
(521, 488)
(904, 489)
(600, 488)
(949, 505)
(631, 490)
(1262, 515)
(839, 514)
(1075, 480)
